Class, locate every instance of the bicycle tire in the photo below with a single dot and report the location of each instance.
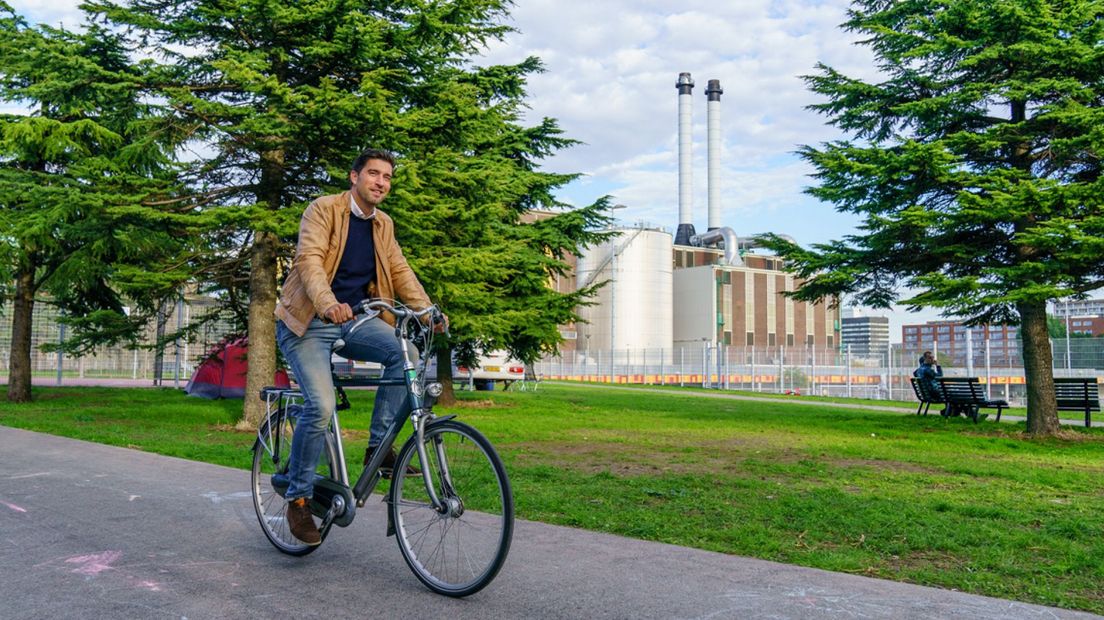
(268, 501)
(458, 553)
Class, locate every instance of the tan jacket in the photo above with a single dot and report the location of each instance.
(322, 234)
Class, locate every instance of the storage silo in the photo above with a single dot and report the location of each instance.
(633, 310)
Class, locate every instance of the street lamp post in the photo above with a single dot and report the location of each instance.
(587, 352)
(1069, 360)
(613, 297)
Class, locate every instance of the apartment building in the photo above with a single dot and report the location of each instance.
(952, 341)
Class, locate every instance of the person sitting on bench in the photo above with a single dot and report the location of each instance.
(928, 370)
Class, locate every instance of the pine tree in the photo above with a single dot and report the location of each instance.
(975, 163)
(280, 97)
(465, 194)
(71, 170)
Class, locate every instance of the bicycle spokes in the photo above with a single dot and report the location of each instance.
(454, 529)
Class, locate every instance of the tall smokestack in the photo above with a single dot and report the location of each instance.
(685, 182)
(713, 114)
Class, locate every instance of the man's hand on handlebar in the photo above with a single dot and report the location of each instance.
(441, 324)
(339, 313)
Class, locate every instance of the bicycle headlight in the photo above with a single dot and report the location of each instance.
(434, 389)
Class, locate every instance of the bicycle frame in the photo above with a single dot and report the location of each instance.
(454, 534)
(344, 499)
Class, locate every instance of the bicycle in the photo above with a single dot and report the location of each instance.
(450, 505)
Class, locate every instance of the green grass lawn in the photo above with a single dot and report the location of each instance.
(928, 500)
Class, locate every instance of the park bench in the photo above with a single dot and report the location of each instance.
(965, 393)
(1078, 394)
(927, 394)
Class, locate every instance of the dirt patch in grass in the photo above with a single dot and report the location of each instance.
(357, 434)
(902, 466)
(925, 560)
(618, 459)
(1064, 434)
(240, 428)
(51, 396)
(477, 404)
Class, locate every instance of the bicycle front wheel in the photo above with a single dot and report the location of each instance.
(269, 482)
(458, 549)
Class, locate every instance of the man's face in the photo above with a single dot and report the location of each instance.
(930, 358)
(372, 183)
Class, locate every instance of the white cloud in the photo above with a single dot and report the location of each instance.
(51, 12)
(610, 82)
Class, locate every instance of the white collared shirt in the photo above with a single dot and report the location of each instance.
(357, 212)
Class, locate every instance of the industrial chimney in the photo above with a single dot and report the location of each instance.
(685, 181)
(713, 118)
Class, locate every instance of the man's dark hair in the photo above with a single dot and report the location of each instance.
(358, 163)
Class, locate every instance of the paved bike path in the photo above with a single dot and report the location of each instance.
(93, 531)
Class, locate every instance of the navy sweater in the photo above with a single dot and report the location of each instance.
(357, 268)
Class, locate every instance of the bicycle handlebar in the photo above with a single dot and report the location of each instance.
(368, 306)
(371, 308)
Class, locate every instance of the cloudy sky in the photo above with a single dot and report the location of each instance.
(610, 82)
(612, 68)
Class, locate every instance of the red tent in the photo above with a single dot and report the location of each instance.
(221, 374)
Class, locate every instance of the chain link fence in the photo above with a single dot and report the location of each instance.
(818, 371)
(179, 359)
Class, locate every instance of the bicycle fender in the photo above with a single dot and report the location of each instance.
(440, 419)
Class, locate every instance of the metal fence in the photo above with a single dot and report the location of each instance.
(118, 362)
(817, 371)
(780, 369)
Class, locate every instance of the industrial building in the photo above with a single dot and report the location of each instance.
(665, 293)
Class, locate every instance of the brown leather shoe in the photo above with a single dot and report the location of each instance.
(301, 522)
(388, 464)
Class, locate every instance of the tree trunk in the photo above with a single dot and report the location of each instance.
(262, 326)
(159, 351)
(444, 377)
(1042, 408)
(19, 369)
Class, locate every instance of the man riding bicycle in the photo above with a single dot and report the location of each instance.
(346, 253)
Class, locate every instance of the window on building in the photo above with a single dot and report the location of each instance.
(770, 340)
(751, 339)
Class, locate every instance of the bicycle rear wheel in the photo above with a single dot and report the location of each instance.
(459, 551)
(269, 482)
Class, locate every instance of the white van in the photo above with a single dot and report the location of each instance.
(495, 367)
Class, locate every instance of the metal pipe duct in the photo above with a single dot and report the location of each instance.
(713, 118)
(725, 235)
(747, 243)
(686, 176)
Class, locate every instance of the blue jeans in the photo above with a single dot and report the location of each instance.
(309, 358)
